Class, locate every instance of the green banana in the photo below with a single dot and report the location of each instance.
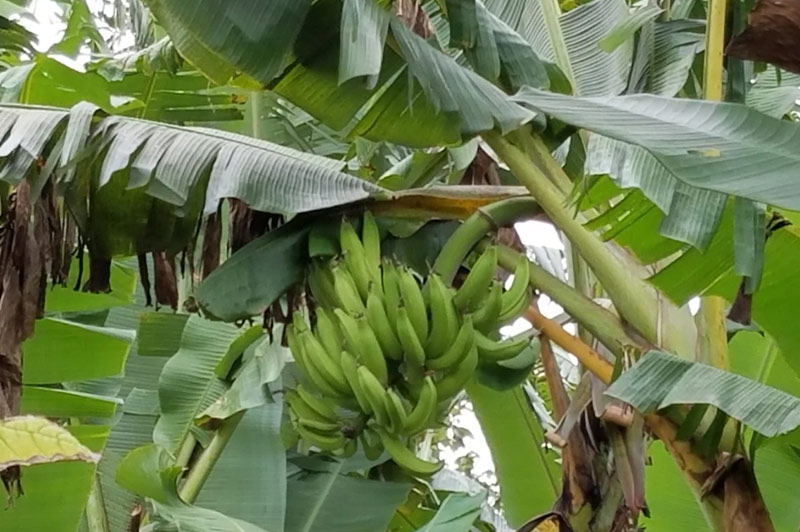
(355, 258)
(318, 426)
(495, 351)
(363, 344)
(349, 449)
(405, 458)
(519, 286)
(329, 368)
(412, 347)
(346, 291)
(471, 293)
(350, 370)
(299, 322)
(485, 318)
(321, 407)
(325, 441)
(327, 332)
(452, 383)
(420, 416)
(458, 350)
(371, 239)
(374, 393)
(391, 290)
(321, 284)
(444, 320)
(371, 443)
(296, 348)
(414, 303)
(396, 410)
(304, 410)
(379, 321)
(514, 311)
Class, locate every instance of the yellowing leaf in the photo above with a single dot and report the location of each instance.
(28, 440)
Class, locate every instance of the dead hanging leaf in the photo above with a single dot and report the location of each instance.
(412, 15)
(211, 243)
(548, 522)
(772, 35)
(99, 281)
(248, 224)
(166, 280)
(741, 309)
(144, 278)
(734, 481)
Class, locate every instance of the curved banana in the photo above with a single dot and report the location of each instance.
(495, 351)
(296, 348)
(346, 291)
(414, 302)
(412, 347)
(299, 322)
(363, 344)
(391, 290)
(321, 284)
(475, 287)
(452, 383)
(444, 320)
(355, 258)
(327, 441)
(330, 369)
(371, 443)
(350, 370)
(519, 286)
(318, 426)
(405, 458)
(379, 321)
(514, 311)
(485, 318)
(458, 350)
(374, 393)
(321, 407)
(305, 410)
(396, 410)
(371, 239)
(327, 333)
(420, 416)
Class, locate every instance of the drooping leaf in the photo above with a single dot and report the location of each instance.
(159, 333)
(453, 88)
(167, 518)
(659, 380)
(62, 350)
(29, 440)
(249, 480)
(327, 494)
(528, 478)
(365, 24)
(629, 26)
(719, 146)
(149, 471)
(236, 289)
(777, 471)
(223, 36)
(62, 489)
(55, 403)
(457, 512)
(188, 384)
(672, 504)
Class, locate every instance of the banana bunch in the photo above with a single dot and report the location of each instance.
(387, 353)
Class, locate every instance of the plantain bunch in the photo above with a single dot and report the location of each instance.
(387, 353)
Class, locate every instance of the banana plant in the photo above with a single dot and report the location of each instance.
(659, 198)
